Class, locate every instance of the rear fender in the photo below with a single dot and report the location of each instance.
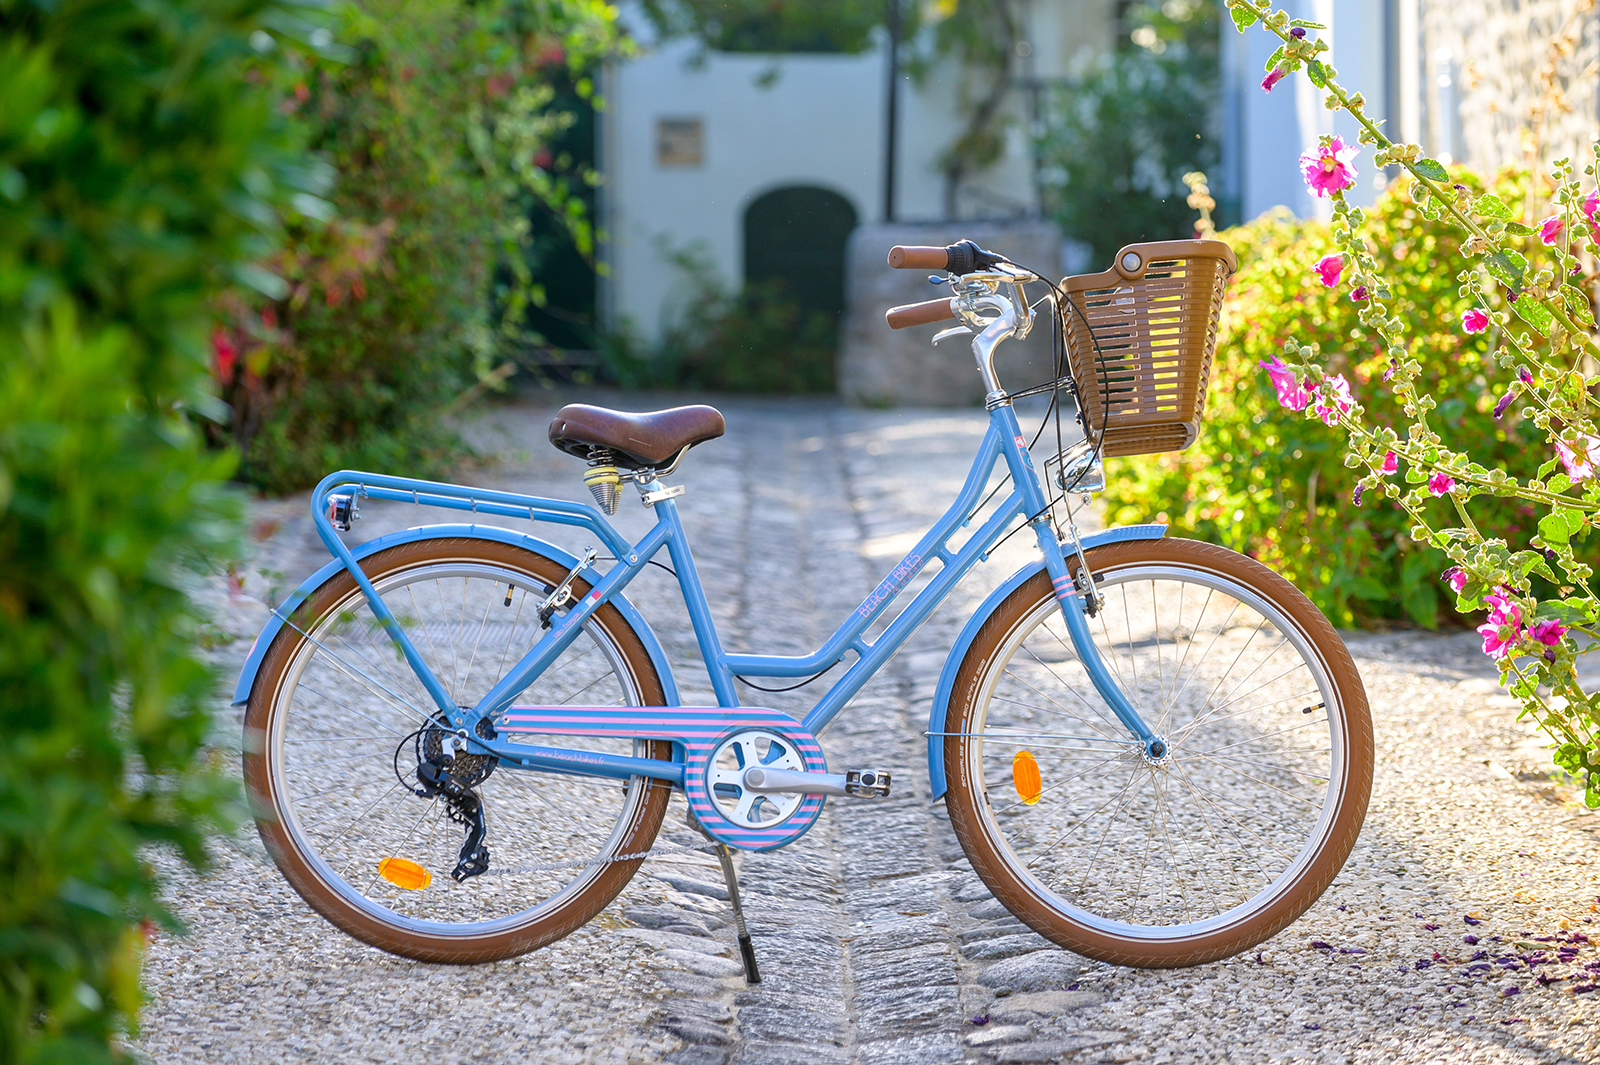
(258, 650)
(947, 678)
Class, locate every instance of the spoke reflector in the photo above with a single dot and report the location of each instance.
(1025, 775)
(404, 874)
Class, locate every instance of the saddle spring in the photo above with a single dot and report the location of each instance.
(603, 480)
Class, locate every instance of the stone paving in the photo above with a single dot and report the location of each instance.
(878, 945)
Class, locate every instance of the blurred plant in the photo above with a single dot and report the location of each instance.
(1116, 143)
(770, 25)
(756, 339)
(1278, 489)
(417, 281)
(1525, 269)
(141, 166)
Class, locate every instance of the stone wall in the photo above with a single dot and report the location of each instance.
(1502, 57)
(879, 366)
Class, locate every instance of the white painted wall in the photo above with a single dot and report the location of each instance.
(780, 120)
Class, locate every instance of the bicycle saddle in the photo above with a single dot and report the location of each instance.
(638, 440)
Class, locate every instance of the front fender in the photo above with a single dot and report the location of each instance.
(258, 650)
(958, 652)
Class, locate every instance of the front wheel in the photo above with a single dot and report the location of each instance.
(1160, 861)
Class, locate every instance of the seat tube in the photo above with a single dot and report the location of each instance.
(694, 598)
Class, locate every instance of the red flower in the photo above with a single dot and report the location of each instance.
(224, 354)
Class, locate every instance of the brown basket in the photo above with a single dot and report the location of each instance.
(1155, 316)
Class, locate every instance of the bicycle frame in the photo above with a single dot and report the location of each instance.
(1003, 441)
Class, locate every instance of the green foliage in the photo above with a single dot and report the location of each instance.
(1117, 143)
(139, 168)
(757, 339)
(770, 25)
(1275, 486)
(418, 279)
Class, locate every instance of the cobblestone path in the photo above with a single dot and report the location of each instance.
(878, 945)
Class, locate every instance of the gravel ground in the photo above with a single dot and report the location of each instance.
(877, 942)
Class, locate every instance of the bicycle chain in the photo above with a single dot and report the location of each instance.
(654, 852)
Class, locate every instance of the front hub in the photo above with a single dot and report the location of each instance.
(1157, 752)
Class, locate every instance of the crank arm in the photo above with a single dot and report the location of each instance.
(862, 783)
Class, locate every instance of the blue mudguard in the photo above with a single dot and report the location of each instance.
(947, 678)
(258, 651)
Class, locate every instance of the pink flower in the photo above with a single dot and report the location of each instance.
(1329, 267)
(1329, 168)
(1548, 632)
(1391, 462)
(1502, 611)
(1333, 399)
(1580, 461)
(1441, 484)
(1591, 205)
(1505, 401)
(224, 353)
(1359, 295)
(1457, 579)
(1275, 75)
(1474, 321)
(1499, 639)
(1291, 393)
(1550, 230)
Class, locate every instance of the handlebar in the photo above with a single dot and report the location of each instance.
(921, 313)
(962, 257)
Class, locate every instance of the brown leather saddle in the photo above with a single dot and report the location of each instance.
(639, 441)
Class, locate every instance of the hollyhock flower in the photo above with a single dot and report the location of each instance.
(1275, 75)
(1457, 579)
(1391, 462)
(1474, 321)
(1291, 393)
(1298, 33)
(1503, 628)
(1580, 461)
(1355, 497)
(1329, 267)
(1550, 230)
(1525, 375)
(1329, 168)
(1441, 484)
(1333, 399)
(1591, 207)
(1359, 294)
(1548, 632)
(1504, 402)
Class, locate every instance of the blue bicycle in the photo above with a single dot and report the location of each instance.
(461, 740)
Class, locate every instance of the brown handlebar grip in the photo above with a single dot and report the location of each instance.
(917, 258)
(920, 313)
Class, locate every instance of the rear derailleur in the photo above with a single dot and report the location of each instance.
(445, 771)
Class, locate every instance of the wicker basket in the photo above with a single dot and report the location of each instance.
(1155, 316)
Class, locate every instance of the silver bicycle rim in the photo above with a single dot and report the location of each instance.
(549, 835)
(1196, 845)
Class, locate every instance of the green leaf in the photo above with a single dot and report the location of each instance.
(1315, 71)
(1507, 266)
(1431, 169)
(1547, 467)
(1577, 303)
(1306, 24)
(262, 280)
(1273, 60)
(1491, 206)
(1553, 529)
(1534, 313)
(1559, 483)
(1517, 229)
(1428, 205)
(1243, 18)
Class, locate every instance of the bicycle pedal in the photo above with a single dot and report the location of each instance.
(867, 783)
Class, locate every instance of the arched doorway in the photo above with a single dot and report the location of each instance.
(794, 237)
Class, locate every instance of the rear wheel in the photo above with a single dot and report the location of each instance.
(1173, 860)
(338, 724)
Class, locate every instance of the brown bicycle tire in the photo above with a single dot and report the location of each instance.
(967, 802)
(575, 911)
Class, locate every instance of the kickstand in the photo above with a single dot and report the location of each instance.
(747, 950)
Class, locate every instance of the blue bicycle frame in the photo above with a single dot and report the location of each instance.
(1027, 500)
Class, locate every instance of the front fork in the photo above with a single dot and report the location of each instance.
(1072, 612)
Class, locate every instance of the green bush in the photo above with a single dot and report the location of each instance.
(1272, 484)
(417, 281)
(1116, 143)
(139, 169)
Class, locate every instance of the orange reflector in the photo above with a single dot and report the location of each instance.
(413, 877)
(1025, 775)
